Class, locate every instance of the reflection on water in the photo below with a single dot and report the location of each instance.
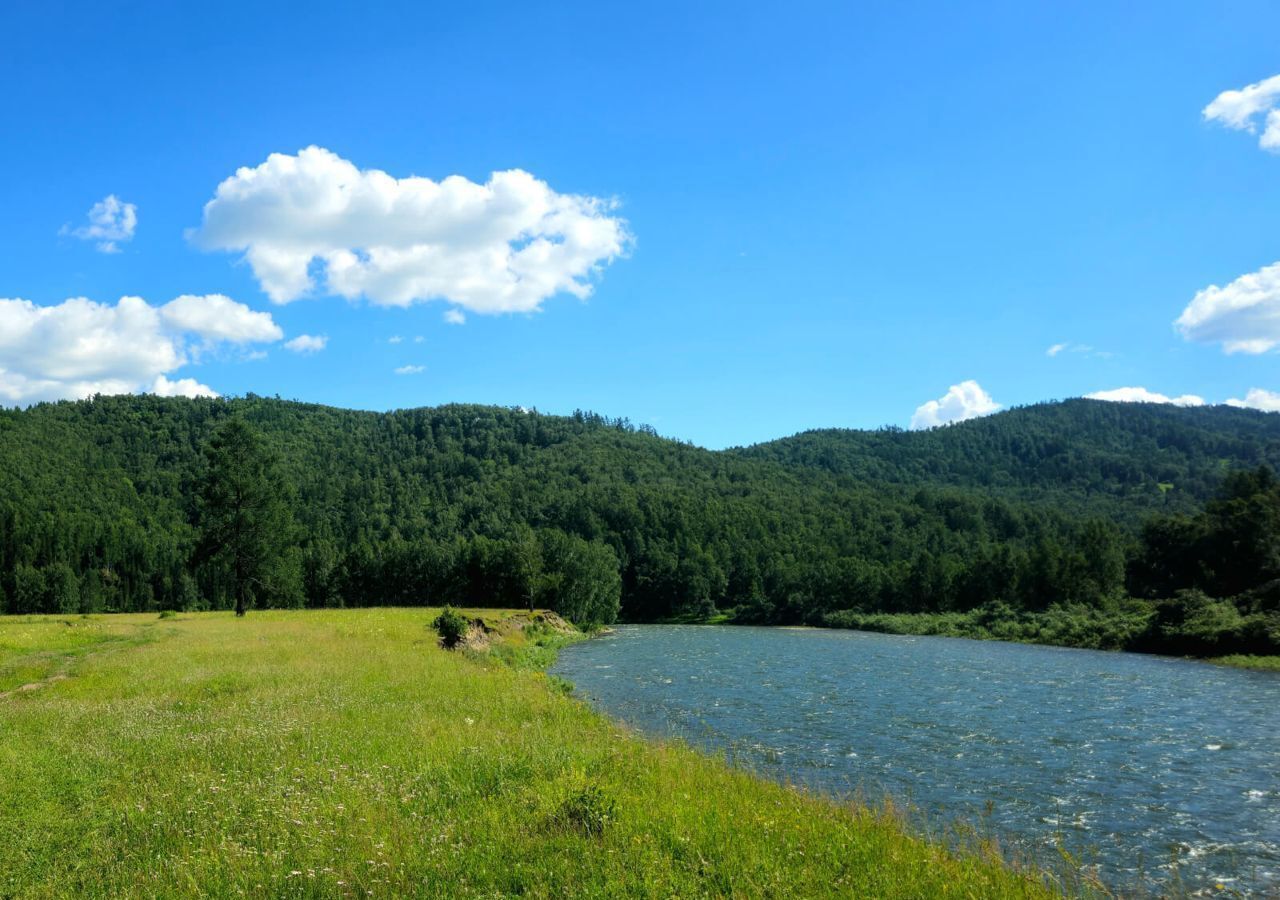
(1147, 768)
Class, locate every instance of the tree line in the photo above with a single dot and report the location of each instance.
(104, 505)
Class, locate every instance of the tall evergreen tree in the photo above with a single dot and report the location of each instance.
(245, 523)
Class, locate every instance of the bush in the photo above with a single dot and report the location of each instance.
(1194, 624)
(167, 614)
(588, 810)
(560, 685)
(451, 625)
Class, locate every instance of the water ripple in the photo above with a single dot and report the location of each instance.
(1147, 768)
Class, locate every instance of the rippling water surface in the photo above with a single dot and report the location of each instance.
(1150, 769)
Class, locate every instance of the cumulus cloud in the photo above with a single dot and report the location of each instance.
(307, 343)
(1142, 395)
(1257, 398)
(181, 387)
(410, 370)
(455, 317)
(315, 221)
(216, 317)
(1246, 108)
(1243, 316)
(111, 223)
(394, 339)
(79, 347)
(966, 400)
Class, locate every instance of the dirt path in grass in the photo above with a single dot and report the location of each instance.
(34, 685)
(61, 663)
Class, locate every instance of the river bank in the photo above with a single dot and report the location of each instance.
(1195, 628)
(344, 753)
(1134, 627)
(1158, 773)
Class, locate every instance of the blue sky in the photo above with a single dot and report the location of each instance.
(787, 216)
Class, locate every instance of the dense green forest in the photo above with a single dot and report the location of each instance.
(1121, 460)
(1115, 512)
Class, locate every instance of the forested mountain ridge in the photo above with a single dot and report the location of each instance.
(1143, 456)
(493, 506)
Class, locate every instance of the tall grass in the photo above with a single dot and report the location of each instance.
(345, 754)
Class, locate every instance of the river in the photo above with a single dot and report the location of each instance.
(1157, 773)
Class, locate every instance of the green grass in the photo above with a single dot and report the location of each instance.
(719, 618)
(345, 754)
(36, 648)
(1243, 661)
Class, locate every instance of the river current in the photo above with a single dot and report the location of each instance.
(1157, 773)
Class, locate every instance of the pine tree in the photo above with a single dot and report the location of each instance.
(244, 521)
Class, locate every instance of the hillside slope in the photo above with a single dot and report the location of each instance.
(486, 505)
(1121, 459)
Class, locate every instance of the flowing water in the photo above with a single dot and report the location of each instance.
(1157, 773)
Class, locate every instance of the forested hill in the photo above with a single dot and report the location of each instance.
(1117, 459)
(486, 505)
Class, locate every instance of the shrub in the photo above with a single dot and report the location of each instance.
(560, 685)
(588, 810)
(167, 614)
(1195, 624)
(451, 625)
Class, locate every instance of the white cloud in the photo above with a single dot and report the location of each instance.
(455, 317)
(966, 400)
(111, 223)
(181, 387)
(1082, 349)
(502, 246)
(1243, 316)
(394, 339)
(307, 343)
(410, 370)
(1242, 109)
(79, 348)
(1142, 395)
(1257, 398)
(418, 339)
(1270, 139)
(216, 317)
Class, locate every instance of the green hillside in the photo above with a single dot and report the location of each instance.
(1121, 459)
(1032, 508)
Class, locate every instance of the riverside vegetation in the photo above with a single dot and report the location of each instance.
(1084, 523)
(345, 753)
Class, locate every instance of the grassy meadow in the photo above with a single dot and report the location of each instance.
(345, 754)
(1245, 661)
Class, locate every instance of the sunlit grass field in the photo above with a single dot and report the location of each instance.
(344, 754)
(1243, 661)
